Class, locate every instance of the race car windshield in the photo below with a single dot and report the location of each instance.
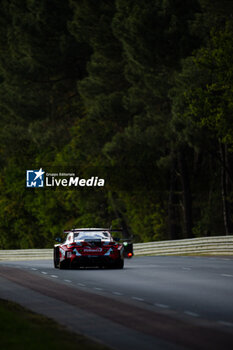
(91, 235)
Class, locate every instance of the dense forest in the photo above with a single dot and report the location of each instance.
(140, 91)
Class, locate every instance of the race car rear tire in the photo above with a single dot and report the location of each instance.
(56, 258)
(119, 264)
(63, 265)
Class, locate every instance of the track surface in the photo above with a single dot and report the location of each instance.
(196, 292)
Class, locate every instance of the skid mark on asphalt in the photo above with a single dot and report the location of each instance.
(190, 313)
(136, 298)
(117, 293)
(226, 275)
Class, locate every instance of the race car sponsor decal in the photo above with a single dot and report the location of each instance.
(76, 252)
(89, 250)
(108, 252)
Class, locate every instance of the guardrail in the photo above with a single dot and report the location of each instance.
(26, 254)
(218, 245)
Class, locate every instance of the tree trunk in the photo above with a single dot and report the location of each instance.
(119, 215)
(186, 193)
(224, 189)
(172, 203)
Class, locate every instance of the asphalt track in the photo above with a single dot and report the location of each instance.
(162, 303)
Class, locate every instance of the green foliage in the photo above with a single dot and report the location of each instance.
(203, 95)
(138, 91)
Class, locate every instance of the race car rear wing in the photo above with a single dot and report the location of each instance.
(128, 239)
(92, 230)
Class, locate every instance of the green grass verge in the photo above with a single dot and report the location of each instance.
(22, 329)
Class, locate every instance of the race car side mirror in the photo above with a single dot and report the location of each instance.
(58, 239)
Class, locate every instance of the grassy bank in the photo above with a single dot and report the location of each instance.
(22, 329)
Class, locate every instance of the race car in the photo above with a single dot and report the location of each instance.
(89, 247)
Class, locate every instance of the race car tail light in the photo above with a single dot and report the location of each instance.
(71, 245)
(130, 255)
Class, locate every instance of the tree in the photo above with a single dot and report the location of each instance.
(154, 39)
(40, 63)
(206, 104)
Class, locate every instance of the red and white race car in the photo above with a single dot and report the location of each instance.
(85, 247)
